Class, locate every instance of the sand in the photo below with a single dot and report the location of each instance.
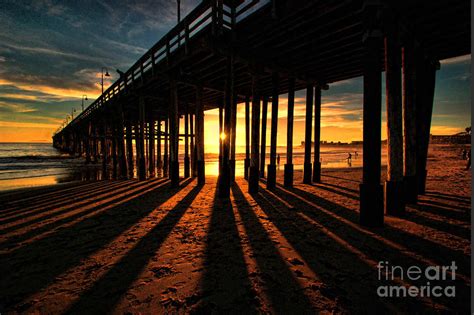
(130, 247)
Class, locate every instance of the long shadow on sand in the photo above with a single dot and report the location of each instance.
(83, 209)
(35, 265)
(225, 284)
(376, 249)
(285, 293)
(103, 296)
(69, 205)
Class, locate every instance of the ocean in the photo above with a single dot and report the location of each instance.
(38, 164)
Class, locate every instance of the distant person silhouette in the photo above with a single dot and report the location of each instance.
(468, 166)
(464, 154)
(349, 159)
(278, 159)
(356, 154)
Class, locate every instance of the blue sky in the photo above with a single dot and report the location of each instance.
(51, 53)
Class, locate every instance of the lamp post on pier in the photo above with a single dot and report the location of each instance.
(84, 98)
(106, 74)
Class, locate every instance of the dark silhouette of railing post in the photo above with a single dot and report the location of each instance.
(271, 174)
(307, 144)
(288, 180)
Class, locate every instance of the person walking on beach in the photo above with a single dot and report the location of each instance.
(464, 154)
(356, 154)
(278, 160)
(349, 159)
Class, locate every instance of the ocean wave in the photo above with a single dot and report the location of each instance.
(15, 159)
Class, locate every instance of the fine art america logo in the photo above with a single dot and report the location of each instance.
(425, 276)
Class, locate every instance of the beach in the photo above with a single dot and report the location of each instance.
(131, 247)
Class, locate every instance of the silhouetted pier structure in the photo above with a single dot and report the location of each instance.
(229, 52)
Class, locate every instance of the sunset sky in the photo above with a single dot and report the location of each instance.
(51, 53)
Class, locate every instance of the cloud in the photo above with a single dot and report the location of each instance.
(457, 60)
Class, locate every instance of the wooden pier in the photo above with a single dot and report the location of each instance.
(227, 52)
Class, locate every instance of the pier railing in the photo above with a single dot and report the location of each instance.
(214, 14)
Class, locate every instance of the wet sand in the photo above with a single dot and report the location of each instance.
(143, 247)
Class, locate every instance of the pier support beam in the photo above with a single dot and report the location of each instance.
(104, 150)
(263, 141)
(425, 86)
(174, 134)
(193, 146)
(159, 161)
(288, 179)
(121, 145)
(271, 174)
(317, 135)
(371, 191)
(88, 143)
(151, 144)
(129, 149)
(114, 151)
(221, 130)
(186, 146)
(224, 177)
(141, 140)
(307, 139)
(233, 138)
(253, 170)
(409, 120)
(247, 138)
(394, 199)
(200, 163)
(166, 149)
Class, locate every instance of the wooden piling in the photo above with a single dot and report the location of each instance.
(254, 161)
(141, 140)
(129, 133)
(166, 159)
(394, 199)
(174, 134)
(224, 177)
(317, 134)
(288, 176)
(371, 192)
(247, 137)
(271, 174)
(186, 145)
(409, 121)
(307, 139)
(200, 162)
(263, 144)
(159, 161)
(151, 144)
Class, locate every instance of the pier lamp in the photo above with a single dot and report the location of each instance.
(84, 98)
(106, 74)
